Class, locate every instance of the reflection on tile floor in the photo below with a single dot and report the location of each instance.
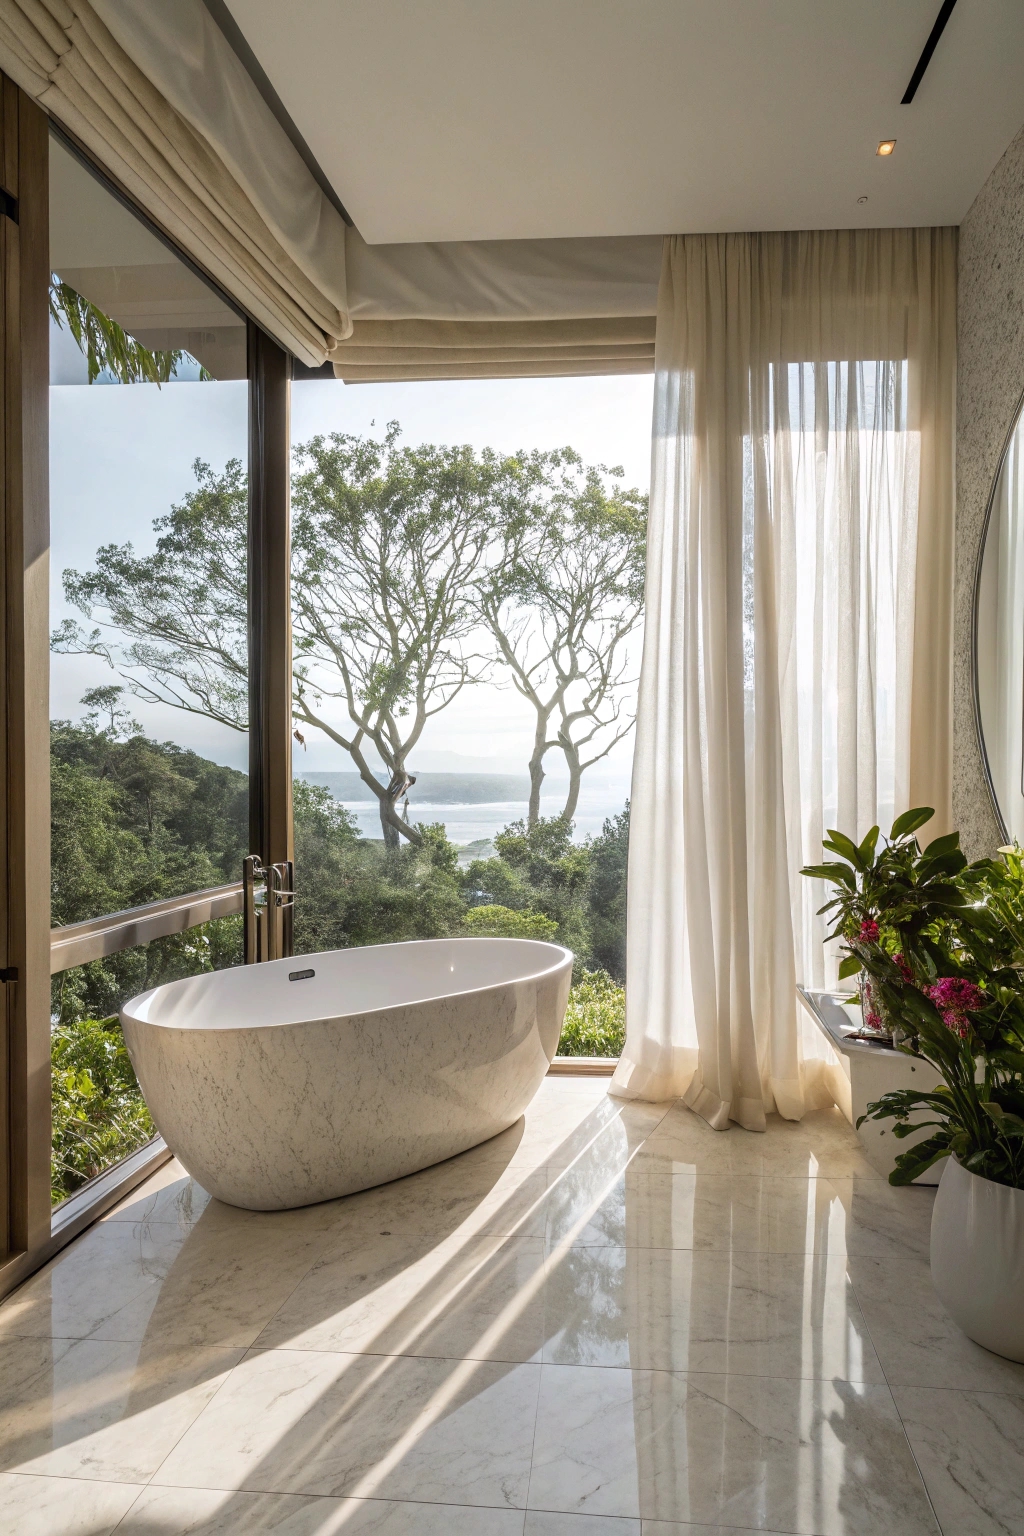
(609, 1321)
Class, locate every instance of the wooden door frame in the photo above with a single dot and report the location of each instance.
(270, 629)
(25, 683)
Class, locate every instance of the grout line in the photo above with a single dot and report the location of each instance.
(570, 1365)
(888, 1383)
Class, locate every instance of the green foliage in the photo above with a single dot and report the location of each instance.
(99, 1115)
(541, 869)
(505, 923)
(606, 895)
(353, 891)
(134, 821)
(942, 943)
(184, 606)
(595, 1020)
(108, 348)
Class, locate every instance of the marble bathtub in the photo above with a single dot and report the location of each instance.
(282, 1084)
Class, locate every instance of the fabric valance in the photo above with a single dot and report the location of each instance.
(486, 349)
(500, 308)
(158, 96)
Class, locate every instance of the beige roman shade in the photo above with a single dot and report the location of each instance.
(488, 349)
(154, 91)
(484, 309)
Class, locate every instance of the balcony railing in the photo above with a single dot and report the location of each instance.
(79, 943)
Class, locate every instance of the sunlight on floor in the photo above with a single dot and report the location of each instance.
(609, 1319)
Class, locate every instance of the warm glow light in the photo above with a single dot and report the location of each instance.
(886, 147)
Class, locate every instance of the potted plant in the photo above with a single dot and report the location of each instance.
(942, 945)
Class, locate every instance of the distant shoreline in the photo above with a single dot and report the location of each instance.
(434, 788)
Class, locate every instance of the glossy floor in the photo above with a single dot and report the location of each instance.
(610, 1321)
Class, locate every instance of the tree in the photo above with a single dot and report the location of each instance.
(561, 601)
(107, 347)
(388, 542)
(414, 572)
(174, 623)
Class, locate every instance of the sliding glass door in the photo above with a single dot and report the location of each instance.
(149, 668)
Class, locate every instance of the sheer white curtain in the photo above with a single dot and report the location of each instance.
(796, 670)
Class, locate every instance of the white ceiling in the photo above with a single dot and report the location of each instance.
(513, 119)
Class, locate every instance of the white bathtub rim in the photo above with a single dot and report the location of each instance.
(130, 1008)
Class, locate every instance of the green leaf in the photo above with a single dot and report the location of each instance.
(943, 845)
(849, 966)
(831, 872)
(946, 896)
(912, 1163)
(845, 846)
(910, 821)
(907, 1175)
(947, 864)
(868, 844)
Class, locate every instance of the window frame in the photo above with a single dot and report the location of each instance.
(31, 1231)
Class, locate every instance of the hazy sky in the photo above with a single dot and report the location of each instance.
(120, 455)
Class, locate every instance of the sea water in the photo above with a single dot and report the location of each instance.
(465, 824)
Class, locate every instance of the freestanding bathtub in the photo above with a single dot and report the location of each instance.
(299, 1080)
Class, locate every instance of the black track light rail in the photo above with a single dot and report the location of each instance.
(945, 12)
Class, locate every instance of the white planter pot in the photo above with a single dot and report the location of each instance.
(977, 1253)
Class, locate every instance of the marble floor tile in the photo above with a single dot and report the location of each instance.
(61, 1506)
(880, 1221)
(786, 1455)
(169, 1194)
(682, 1528)
(737, 1212)
(562, 1126)
(970, 1448)
(215, 1285)
(478, 1297)
(437, 1431)
(450, 1197)
(108, 1268)
(822, 1144)
(210, 1512)
(544, 1523)
(608, 1321)
(684, 1143)
(757, 1314)
(916, 1341)
(83, 1408)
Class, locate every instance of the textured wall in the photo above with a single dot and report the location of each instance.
(990, 345)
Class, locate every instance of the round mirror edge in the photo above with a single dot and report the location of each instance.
(1015, 420)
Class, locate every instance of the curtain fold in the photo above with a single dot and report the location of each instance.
(157, 95)
(470, 349)
(797, 655)
(499, 308)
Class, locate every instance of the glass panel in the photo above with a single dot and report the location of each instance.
(467, 589)
(99, 1114)
(148, 680)
(148, 683)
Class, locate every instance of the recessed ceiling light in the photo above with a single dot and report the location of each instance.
(862, 199)
(886, 147)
